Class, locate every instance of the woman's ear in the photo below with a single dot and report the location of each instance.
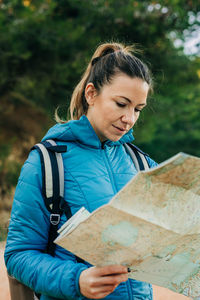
(90, 93)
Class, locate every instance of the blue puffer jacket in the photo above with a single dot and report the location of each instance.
(94, 173)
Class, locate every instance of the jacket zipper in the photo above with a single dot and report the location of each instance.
(130, 294)
(109, 169)
(129, 290)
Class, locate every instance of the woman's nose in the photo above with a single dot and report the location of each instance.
(129, 118)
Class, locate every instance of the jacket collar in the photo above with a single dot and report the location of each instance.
(85, 134)
(81, 131)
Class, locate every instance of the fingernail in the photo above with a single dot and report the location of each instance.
(129, 270)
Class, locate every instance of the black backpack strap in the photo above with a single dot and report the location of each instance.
(53, 185)
(138, 156)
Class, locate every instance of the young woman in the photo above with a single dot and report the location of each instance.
(105, 106)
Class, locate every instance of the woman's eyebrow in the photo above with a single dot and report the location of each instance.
(127, 99)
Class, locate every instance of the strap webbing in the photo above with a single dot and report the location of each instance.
(139, 158)
(47, 170)
(60, 167)
(53, 179)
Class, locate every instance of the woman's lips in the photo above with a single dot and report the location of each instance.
(120, 129)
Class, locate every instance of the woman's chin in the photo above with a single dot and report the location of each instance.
(115, 138)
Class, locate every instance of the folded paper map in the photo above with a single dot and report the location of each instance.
(151, 226)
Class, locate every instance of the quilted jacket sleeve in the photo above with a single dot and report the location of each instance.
(27, 239)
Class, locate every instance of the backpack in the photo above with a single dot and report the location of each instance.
(53, 194)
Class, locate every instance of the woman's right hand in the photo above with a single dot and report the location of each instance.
(98, 282)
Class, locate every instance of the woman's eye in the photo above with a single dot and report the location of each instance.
(120, 104)
(137, 110)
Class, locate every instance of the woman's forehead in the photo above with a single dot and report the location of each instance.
(123, 85)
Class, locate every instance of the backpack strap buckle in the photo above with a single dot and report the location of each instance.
(54, 219)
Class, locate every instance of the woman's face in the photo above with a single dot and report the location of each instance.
(114, 110)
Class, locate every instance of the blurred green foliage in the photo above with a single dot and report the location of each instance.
(3, 233)
(45, 46)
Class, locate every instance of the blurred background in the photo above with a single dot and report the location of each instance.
(44, 48)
